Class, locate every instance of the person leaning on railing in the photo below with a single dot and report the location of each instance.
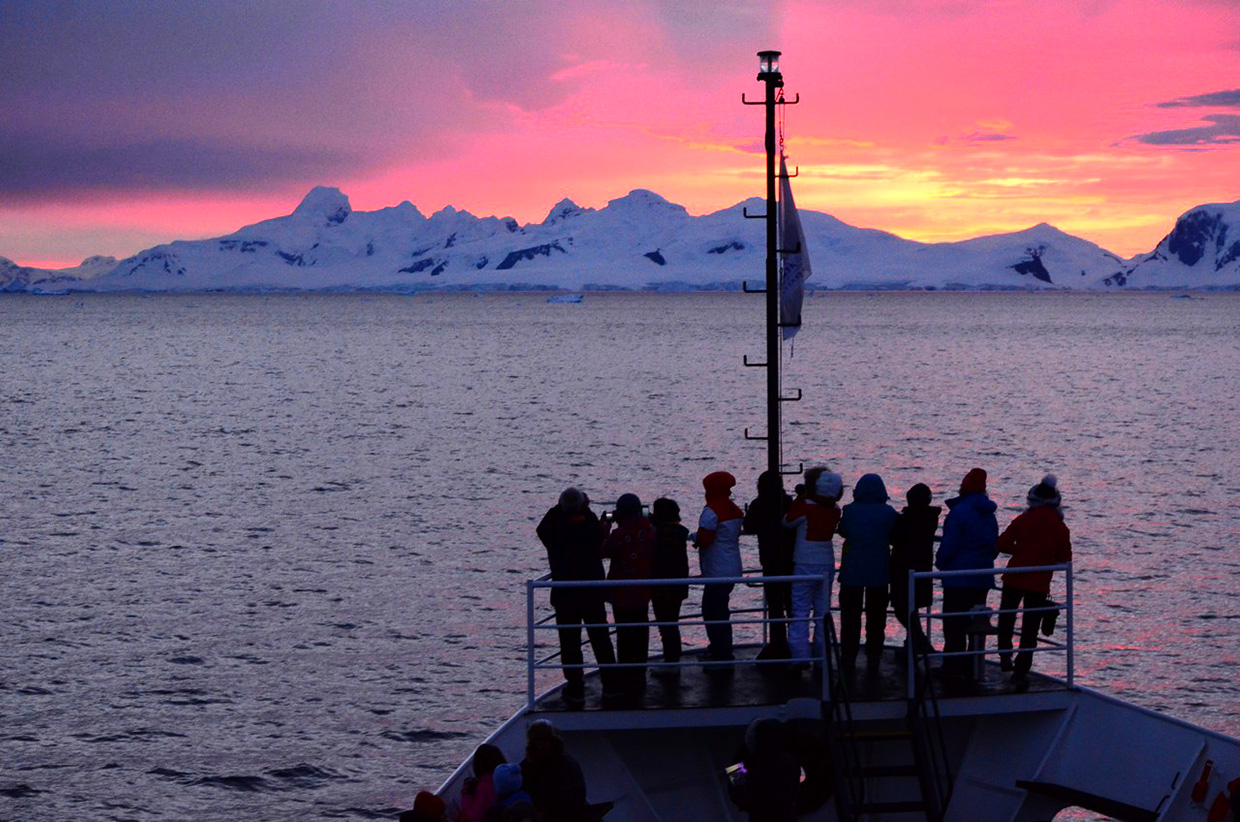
(912, 549)
(765, 518)
(631, 550)
(718, 541)
(970, 534)
(573, 538)
(1038, 536)
(671, 561)
(814, 515)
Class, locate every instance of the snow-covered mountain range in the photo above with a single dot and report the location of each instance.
(639, 241)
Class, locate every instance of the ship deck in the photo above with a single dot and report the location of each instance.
(757, 687)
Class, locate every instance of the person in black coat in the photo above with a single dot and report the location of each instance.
(671, 561)
(912, 549)
(554, 778)
(764, 517)
(573, 538)
(768, 788)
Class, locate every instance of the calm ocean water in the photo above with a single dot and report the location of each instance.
(263, 555)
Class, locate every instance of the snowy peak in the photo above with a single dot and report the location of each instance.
(563, 210)
(1208, 234)
(1202, 251)
(325, 204)
(640, 203)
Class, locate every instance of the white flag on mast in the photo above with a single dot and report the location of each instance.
(795, 259)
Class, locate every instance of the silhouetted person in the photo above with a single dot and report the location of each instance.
(865, 526)
(772, 777)
(631, 550)
(427, 807)
(912, 549)
(478, 792)
(554, 778)
(671, 561)
(970, 537)
(1036, 537)
(510, 791)
(764, 517)
(573, 537)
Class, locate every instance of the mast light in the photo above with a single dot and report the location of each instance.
(768, 64)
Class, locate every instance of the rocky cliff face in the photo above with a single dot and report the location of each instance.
(1202, 251)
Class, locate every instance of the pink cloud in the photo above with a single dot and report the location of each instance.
(502, 112)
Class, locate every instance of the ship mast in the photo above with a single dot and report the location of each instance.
(768, 73)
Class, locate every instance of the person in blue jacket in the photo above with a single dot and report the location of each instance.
(970, 540)
(865, 525)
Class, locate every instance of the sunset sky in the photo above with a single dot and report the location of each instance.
(127, 124)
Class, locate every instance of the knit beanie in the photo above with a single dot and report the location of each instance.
(974, 482)
(1045, 493)
(506, 780)
(830, 484)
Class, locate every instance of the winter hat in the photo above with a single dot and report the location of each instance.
(829, 484)
(1045, 492)
(506, 780)
(572, 499)
(919, 495)
(974, 482)
(428, 804)
(628, 506)
(665, 510)
(718, 482)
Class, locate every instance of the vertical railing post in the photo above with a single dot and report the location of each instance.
(529, 645)
(910, 620)
(828, 671)
(1071, 634)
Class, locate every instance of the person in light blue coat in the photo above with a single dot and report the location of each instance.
(866, 526)
(970, 540)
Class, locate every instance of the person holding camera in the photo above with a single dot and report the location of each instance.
(573, 537)
(631, 550)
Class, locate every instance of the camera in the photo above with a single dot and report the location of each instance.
(736, 774)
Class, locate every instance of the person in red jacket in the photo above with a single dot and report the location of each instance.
(631, 550)
(1036, 537)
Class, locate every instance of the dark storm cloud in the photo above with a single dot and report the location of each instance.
(1212, 99)
(31, 168)
(126, 93)
(1223, 131)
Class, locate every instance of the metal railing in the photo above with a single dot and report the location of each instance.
(983, 627)
(751, 626)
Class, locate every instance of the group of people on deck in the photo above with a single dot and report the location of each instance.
(796, 538)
